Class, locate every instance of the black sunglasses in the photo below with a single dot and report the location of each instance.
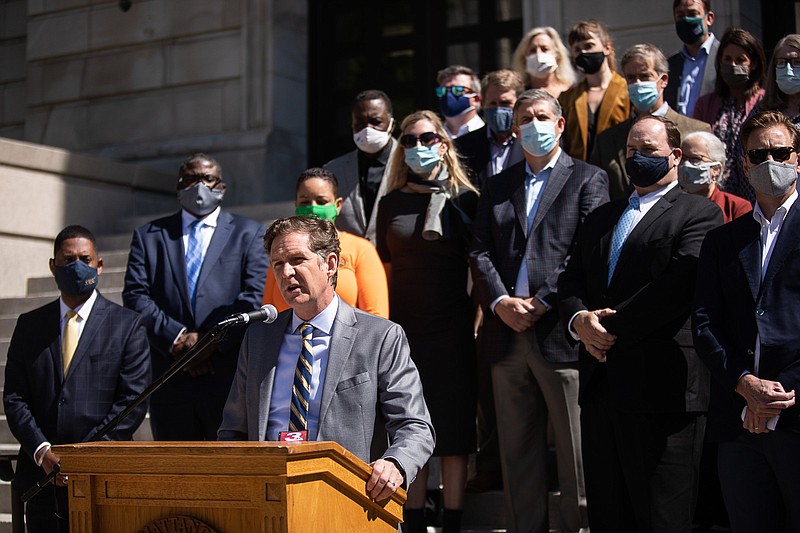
(428, 138)
(187, 180)
(780, 154)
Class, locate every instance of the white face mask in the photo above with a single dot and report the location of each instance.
(695, 177)
(371, 140)
(541, 65)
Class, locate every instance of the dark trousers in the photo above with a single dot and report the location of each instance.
(760, 478)
(47, 512)
(187, 420)
(641, 470)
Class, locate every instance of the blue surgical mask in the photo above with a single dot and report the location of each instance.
(690, 30)
(452, 106)
(499, 119)
(643, 94)
(538, 137)
(646, 170)
(422, 159)
(788, 81)
(76, 278)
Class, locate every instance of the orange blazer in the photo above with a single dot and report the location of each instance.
(361, 281)
(614, 108)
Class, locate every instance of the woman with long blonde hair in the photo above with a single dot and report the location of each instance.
(543, 60)
(423, 234)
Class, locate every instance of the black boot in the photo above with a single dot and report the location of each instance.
(452, 521)
(414, 521)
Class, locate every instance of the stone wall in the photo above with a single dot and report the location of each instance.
(12, 68)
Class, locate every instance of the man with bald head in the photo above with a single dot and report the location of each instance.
(626, 295)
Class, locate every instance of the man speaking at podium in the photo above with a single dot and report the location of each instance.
(322, 367)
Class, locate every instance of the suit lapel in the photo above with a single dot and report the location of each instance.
(370, 227)
(604, 111)
(93, 325)
(54, 332)
(750, 257)
(787, 240)
(343, 337)
(266, 362)
(218, 241)
(582, 112)
(172, 234)
(558, 178)
(351, 169)
(518, 202)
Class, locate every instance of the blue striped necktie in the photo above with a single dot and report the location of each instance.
(621, 233)
(194, 258)
(301, 387)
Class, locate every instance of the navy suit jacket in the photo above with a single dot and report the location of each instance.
(652, 367)
(473, 147)
(574, 190)
(733, 305)
(231, 281)
(110, 368)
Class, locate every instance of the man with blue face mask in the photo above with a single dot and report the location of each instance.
(746, 330)
(528, 217)
(73, 365)
(186, 272)
(693, 65)
(646, 72)
(490, 150)
(626, 296)
(458, 91)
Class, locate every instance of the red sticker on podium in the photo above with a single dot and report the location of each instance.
(293, 436)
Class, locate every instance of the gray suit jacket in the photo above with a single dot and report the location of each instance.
(371, 390)
(676, 61)
(352, 218)
(611, 145)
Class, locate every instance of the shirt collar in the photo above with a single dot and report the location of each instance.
(654, 196)
(473, 124)
(780, 213)
(323, 321)
(83, 310)
(209, 220)
(549, 166)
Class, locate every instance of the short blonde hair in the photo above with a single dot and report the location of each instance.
(398, 175)
(564, 72)
(505, 79)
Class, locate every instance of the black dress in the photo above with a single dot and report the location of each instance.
(428, 297)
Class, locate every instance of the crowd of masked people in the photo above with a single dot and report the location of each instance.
(587, 254)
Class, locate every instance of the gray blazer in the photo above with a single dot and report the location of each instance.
(352, 218)
(371, 390)
(675, 63)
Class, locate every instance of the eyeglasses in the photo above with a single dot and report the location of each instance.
(428, 138)
(455, 90)
(782, 61)
(187, 180)
(780, 154)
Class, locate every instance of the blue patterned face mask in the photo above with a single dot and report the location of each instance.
(499, 119)
(76, 278)
(643, 94)
(422, 159)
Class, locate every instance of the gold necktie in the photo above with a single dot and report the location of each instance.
(69, 340)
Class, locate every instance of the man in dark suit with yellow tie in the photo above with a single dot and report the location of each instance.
(73, 365)
(626, 295)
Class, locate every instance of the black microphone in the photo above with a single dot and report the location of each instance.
(267, 313)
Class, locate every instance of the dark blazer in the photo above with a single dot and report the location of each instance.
(110, 368)
(574, 189)
(476, 155)
(652, 367)
(372, 401)
(610, 149)
(675, 63)
(231, 281)
(733, 305)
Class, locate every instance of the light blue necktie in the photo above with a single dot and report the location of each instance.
(621, 232)
(301, 386)
(194, 258)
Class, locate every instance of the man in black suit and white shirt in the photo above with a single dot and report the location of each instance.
(626, 294)
(527, 219)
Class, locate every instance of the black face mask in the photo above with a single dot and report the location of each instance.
(644, 170)
(76, 278)
(590, 62)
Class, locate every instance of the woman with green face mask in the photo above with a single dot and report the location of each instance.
(362, 278)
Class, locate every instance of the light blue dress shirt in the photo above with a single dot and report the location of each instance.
(692, 77)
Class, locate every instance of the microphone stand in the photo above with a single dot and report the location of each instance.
(216, 332)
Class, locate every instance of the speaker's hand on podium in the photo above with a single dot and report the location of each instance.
(49, 460)
(384, 481)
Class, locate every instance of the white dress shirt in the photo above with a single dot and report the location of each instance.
(281, 398)
(472, 124)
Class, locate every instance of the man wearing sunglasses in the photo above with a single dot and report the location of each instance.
(459, 97)
(186, 272)
(362, 172)
(747, 331)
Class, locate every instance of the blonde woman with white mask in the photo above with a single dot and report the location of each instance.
(544, 61)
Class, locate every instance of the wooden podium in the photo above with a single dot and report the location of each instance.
(222, 487)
